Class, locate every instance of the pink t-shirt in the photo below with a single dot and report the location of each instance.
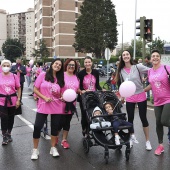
(89, 82)
(38, 71)
(71, 82)
(28, 70)
(8, 85)
(137, 97)
(51, 90)
(0, 68)
(160, 85)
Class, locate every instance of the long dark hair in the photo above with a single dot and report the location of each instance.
(122, 65)
(67, 62)
(59, 74)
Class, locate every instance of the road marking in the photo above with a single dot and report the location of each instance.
(26, 121)
(29, 124)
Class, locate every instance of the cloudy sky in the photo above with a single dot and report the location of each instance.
(158, 10)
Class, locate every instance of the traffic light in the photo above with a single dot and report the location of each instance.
(148, 30)
(140, 26)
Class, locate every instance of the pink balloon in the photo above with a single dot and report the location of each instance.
(69, 95)
(31, 62)
(127, 89)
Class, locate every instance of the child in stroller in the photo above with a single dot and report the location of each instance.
(103, 136)
(98, 122)
(116, 122)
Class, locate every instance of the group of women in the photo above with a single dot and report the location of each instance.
(158, 79)
(49, 87)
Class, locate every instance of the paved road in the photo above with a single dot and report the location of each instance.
(16, 155)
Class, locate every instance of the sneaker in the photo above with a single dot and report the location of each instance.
(5, 140)
(159, 150)
(54, 152)
(9, 138)
(35, 154)
(117, 141)
(133, 138)
(148, 146)
(65, 144)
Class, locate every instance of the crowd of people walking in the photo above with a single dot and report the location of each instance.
(52, 81)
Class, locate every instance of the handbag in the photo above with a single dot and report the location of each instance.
(18, 111)
(167, 73)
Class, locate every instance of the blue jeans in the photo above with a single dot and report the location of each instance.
(28, 80)
(119, 122)
(114, 87)
(148, 92)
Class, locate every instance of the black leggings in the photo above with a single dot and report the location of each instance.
(40, 120)
(7, 120)
(84, 122)
(66, 119)
(130, 107)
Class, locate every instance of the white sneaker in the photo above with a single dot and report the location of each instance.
(117, 141)
(148, 146)
(54, 152)
(133, 138)
(35, 154)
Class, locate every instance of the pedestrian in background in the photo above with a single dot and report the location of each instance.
(71, 82)
(20, 71)
(158, 79)
(149, 65)
(113, 82)
(28, 75)
(89, 81)
(10, 93)
(127, 71)
(48, 89)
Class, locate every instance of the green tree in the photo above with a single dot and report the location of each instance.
(96, 27)
(157, 44)
(42, 51)
(13, 48)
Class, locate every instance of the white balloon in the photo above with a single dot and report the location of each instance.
(127, 89)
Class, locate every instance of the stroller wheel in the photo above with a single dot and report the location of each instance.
(106, 159)
(127, 154)
(86, 145)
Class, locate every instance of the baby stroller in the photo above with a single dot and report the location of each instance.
(104, 136)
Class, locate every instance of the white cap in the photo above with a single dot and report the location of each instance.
(96, 109)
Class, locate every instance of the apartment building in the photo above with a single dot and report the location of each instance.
(3, 28)
(54, 22)
(21, 26)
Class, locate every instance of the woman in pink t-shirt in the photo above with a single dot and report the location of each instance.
(9, 100)
(128, 71)
(89, 81)
(71, 82)
(160, 86)
(28, 75)
(48, 89)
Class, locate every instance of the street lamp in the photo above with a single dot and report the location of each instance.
(122, 33)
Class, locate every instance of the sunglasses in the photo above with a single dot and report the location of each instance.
(71, 65)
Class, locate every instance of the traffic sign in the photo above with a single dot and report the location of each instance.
(107, 54)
